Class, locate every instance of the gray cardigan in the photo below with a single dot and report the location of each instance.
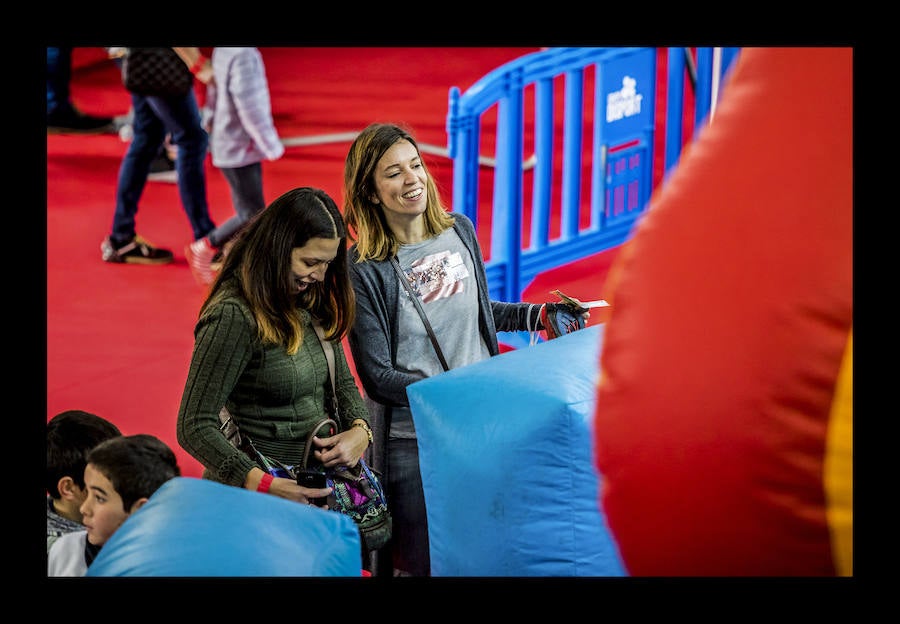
(373, 340)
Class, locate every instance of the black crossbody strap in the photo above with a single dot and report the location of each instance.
(434, 341)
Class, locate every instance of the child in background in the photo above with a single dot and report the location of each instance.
(70, 437)
(238, 116)
(121, 474)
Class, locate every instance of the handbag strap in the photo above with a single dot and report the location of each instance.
(331, 427)
(328, 422)
(434, 341)
(329, 357)
(329, 354)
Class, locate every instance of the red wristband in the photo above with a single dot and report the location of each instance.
(265, 483)
(198, 64)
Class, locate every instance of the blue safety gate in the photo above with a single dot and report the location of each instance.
(619, 118)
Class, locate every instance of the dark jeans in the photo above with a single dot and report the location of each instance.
(246, 196)
(409, 549)
(59, 74)
(153, 118)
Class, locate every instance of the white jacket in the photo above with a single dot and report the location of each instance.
(66, 556)
(238, 110)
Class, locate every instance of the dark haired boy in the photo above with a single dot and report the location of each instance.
(121, 475)
(71, 435)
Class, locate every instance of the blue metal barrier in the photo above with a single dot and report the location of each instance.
(713, 64)
(621, 112)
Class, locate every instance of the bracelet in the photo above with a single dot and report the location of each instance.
(365, 427)
(265, 483)
(198, 64)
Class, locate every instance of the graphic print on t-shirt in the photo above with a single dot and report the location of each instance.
(438, 276)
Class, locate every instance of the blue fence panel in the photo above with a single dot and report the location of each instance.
(706, 75)
(621, 159)
(624, 76)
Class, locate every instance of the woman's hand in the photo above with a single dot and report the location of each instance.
(288, 488)
(342, 449)
(285, 488)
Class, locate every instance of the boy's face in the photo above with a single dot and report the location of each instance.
(102, 511)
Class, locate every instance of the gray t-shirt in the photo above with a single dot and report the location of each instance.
(441, 274)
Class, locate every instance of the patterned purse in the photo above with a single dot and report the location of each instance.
(357, 493)
(156, 71)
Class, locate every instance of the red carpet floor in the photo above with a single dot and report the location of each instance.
(119, 337)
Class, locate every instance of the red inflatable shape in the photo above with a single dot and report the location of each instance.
(723, 418)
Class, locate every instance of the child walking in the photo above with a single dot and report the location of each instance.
(242, 133)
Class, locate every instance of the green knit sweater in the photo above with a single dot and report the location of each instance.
(275, 398)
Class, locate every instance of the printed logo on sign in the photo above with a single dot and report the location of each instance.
(624, 103)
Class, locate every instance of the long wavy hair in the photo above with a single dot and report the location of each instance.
(259, 266)
(374, 239)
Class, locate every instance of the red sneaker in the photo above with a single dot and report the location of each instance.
(199, 255)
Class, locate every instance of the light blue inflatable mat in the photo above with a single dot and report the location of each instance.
(197, 527)
(505, 452)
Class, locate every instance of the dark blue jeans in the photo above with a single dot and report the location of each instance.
(410, 551)
(59, 74)
(153, 118)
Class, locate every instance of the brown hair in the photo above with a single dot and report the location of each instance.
(260, 264)
(375, 241)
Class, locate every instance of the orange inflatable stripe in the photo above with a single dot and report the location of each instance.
(839, 467)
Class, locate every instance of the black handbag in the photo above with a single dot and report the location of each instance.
(156, 71)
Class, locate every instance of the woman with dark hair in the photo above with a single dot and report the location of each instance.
(256, 352)
(401, 227)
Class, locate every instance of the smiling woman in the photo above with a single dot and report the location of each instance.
(256, 352)
(393, 205)
(309, 263)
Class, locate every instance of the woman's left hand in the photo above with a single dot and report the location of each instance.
(342, 449)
